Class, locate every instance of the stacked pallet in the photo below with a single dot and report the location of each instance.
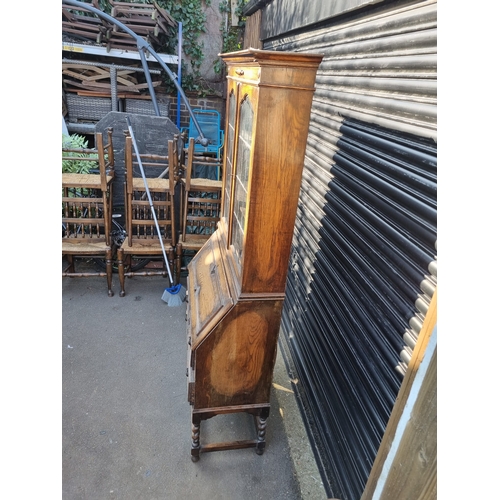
(149, 21)
(97, 79)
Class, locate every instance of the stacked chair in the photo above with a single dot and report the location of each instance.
(200, 199)
(142, 239)
(185, 194)
(86, 211)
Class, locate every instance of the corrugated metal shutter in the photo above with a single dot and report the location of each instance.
(379, 68)
(363, 266)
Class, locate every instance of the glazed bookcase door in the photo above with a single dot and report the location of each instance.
(240, 129)
(241, 179)
(229, 149)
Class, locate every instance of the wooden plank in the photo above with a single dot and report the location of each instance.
(160, 11)
(93, 72)
(234, 445)
(124, 4)
(97, 86)
(137, 19)
(76, 28)
(82, 19)
(86, 35)
(120, 12)
(97, 93)
(430, 322)
(413, 475)
(138, 29)
(96, 73)
(234, 17)
(67, 14)
(162, 26)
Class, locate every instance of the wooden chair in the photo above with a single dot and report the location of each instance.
(142, 240)
(201, 201)
(86, 211)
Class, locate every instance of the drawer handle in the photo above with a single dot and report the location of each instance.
(240, 72)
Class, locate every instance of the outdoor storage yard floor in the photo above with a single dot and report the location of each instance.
(126, 428)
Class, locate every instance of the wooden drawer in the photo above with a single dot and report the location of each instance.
(246, 74)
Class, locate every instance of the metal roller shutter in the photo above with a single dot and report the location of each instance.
(363, 267)
(379, 67)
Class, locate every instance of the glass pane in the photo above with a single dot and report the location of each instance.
(229, 153)
(242, 173)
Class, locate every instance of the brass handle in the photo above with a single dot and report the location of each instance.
(240, 72)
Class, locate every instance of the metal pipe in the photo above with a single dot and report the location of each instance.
(147, 74)
(142, 45)
(179, 69)
(114, 88)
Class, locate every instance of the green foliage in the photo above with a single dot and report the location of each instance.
(76, 166)
(232, 36)
(192, 16)
(191, 83)
(191, 13)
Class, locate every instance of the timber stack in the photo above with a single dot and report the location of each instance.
(149, 21)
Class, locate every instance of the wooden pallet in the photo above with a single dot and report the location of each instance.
(97, 78)
(149, 21)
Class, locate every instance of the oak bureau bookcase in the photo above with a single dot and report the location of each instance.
(236, 282)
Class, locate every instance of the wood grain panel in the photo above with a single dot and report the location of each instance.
(208, 289)
(234, 364)
(238, 358)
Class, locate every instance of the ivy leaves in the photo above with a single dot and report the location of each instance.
(193, 19)
(191, 13)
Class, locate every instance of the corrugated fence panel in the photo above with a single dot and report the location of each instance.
(252, 31)
(363, 265)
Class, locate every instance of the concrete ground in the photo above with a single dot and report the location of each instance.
(126, 431)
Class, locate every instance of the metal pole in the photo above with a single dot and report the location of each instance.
(147, 74)
(179, 69)
(114, 89)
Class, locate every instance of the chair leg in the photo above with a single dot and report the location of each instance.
(195, 438)
(171, 262)
(121, 271)
(71, 263)
(178, 263)
(261, 431)
(109, 271)
(184, 210)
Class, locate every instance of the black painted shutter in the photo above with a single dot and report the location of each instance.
(363, 266)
